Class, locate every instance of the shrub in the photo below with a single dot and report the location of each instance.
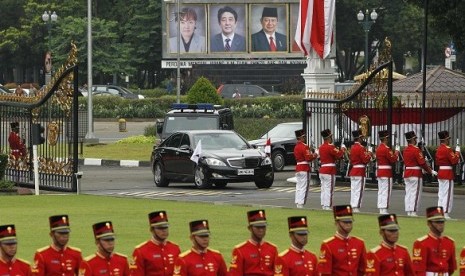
(203, 92)
(6, 184)
(150, 130)
(3, 164)
(139, 139)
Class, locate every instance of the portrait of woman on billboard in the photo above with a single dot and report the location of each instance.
(228, 28)
(268, 26)
(192, 25)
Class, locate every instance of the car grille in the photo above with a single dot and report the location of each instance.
(250, 162)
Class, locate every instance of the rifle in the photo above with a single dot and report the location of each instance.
(428, 157)
(370, 164)
(400, 158)
(342, 161)
(315, 162)
(458, 167)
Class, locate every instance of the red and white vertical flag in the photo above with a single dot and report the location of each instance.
(268, 146)
(315, 26)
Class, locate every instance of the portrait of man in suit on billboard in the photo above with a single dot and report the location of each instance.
(268, 39)
(192, 38)
(229, 39)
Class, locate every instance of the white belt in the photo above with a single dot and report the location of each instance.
(302, 163)
(384, 167)
(359, 166)
(428, 273)
(413, 168)
(445, 167)
(328, 165)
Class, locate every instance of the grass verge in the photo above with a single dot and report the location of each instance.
(227, 223)
(116, 151)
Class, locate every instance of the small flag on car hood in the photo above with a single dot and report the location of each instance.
(268, 146)
(197, 152)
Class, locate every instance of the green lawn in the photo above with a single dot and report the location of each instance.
(227, 223)
(116, 151)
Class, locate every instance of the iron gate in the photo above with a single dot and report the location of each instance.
(55, 107)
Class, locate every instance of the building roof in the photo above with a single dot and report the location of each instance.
(438, 79)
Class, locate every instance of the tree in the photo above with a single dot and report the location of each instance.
(203, 91)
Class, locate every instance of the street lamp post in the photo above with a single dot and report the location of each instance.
(49, 18)
(177, 17)
(366, 24)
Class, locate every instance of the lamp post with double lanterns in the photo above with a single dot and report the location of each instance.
(49, 17)
(366, 24)
(177, 18)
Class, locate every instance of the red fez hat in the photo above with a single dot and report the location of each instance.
(256, 218)
(158, 219)
(435, 213)
(443, 135)
(59, 223)
(326, 133)
(343, 212)
(410, 135)
(104, 230)
(388, 222)
(356, 134)
(299, 133)
(297, 225)
(269, 12)
(199, 227)
(7, 234)
(383, 134)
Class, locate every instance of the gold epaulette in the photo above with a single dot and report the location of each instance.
(447, 237)
(240, 245)
(402, 246)
(375, 249)
(24, 261)
(329, 239)
(214, 250)
(74, 248)
(183, 254)
(422, 238)
(90, 257)
(43, 248)
(140, 244)
(121, 255)
(283, 253)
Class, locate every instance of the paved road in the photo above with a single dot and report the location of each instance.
(138, 183)
(108, 131)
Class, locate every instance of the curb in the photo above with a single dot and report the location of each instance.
(113, 163)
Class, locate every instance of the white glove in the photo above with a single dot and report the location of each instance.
(343, 146)
(433, 172)
(317, 152)
(397, 148)
(370, 148)
(457, 148)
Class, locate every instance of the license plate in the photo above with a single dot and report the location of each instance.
(245, 172)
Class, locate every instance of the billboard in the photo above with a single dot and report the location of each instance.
(230, 30)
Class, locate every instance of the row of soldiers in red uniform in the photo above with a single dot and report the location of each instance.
(341, 254)
(360, 156)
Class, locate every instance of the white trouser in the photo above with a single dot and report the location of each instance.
(357, 187)
(301, 187)
(413, 189)
(436, 273)
(446, 194)
(327, 189)
(384, 192)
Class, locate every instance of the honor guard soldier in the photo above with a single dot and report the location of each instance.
(200, 260)
(329, 154)
(296, 260)
(359, 158)
(156, 256)
(303, 157)
(389, 258)
(446, 159)
(254, 257)
(342, 254)
(17, 147)
(9, 264)
(105, 261)
(57, 258)
(462, 262)
(385, 157)
(414, 162)
(434, 254)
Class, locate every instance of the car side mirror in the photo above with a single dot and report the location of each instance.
(185, 147)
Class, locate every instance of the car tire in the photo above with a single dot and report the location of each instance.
(220, 184)
(159, 176)
(278, 160)
(264, 183)
(200, 180)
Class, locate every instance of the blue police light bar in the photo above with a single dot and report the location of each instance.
(179, 106)
(206, 106)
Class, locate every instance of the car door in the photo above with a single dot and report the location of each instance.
(170, 154)
(185, 165)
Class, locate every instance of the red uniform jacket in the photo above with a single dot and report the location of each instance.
(414, 161)
(462, 262)
(434, 255)
(342, 256)
(445, 159)
(16, 267)
(251, 258)
(386, 260)
(302, 156)
(116, 265)
(328, 156)
(294, 261)
(194, 263)
(17, 147)
(359, 157)
(50, 261)
(385, 157)
(154, 258)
